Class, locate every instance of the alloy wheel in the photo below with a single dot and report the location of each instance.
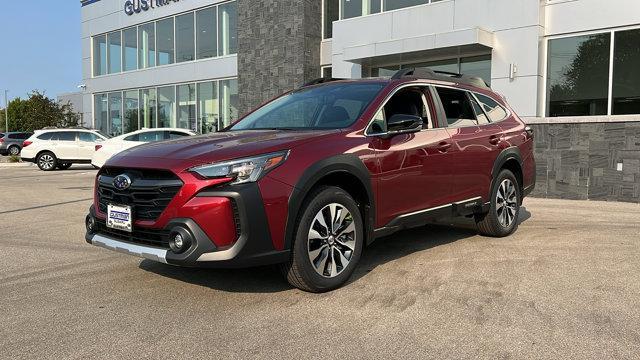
(14, 151)
(46, 162)
(332, 240)
(506, 203)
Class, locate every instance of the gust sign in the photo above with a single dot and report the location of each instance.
(137, 6)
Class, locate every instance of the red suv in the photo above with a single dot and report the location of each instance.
(309, 179)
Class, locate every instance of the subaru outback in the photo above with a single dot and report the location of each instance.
(311, 178)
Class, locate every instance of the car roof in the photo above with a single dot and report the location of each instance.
(59, 130)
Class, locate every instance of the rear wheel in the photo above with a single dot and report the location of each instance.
(47, 161)
(64, 166)
(14, 150)
(328, 241)
(502, 218)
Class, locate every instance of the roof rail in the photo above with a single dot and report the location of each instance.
(426, 73)
(321, 81)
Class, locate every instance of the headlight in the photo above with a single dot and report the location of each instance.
(242, 170)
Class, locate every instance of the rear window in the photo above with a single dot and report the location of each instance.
(457, 107)
(19, 136)
(492, 108)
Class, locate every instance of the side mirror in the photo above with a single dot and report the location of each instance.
(403, 123)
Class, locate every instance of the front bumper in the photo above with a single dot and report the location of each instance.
(253, 246)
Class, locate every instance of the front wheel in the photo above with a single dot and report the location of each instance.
(502, 218)
(47, 161)
(328, 241)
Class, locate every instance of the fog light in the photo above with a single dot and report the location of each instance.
(90, 224)
(179, 240)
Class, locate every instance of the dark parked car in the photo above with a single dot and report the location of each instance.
(311, 178)
(11, 142)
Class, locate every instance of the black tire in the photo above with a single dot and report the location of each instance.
(64, 166)
(300, 271)
(47, 161)
(14, 150)
(501, 220)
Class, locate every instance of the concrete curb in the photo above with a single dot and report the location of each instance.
(21, 164)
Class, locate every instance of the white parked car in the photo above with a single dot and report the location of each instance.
(107, 149)
(59, 148)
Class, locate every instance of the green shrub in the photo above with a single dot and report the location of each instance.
(14, 158)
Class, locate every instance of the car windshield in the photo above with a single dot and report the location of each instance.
(329, 106)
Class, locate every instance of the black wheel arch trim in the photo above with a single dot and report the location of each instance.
(510, 153)
(347, 163)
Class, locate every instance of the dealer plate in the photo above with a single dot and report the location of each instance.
(119, 217)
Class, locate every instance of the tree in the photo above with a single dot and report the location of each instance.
(39, 111)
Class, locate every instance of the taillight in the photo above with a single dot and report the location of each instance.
(98, 147)
(26, 143)
(1, 140)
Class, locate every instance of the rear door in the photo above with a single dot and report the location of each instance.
(64, 145)
(471, 160)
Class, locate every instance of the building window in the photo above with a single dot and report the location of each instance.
(101, 113)
(185, 43)
(200, 34)
(479, 66)
(330, 13)
(229, 101)
(148, 108)
(114, 46)
(165, 43)
(326, 72)
(354, 8)
(167, 106)
(578, 75)
(227, 29)
(206, 37)
(130, 111)
(130, 53)
(626, 73)
(146, 46)
(187, 106)
(399, 4)
(475, 66)
(99, 55)
(208, 109)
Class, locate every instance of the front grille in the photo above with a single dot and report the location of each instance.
(140, 236)
(149, 194)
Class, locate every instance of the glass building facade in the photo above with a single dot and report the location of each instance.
(204, 107)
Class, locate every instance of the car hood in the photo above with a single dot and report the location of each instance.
(214, 147)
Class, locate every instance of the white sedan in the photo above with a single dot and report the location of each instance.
(110, 147)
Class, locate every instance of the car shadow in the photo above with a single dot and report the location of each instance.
(267, 279)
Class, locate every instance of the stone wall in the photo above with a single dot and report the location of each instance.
(596, 161)
(278, 47)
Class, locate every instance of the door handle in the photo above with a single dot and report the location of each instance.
(494, 139)
(443, 146)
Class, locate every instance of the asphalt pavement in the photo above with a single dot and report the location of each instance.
(565, 285)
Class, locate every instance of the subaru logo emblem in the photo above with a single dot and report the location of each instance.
(122, 182)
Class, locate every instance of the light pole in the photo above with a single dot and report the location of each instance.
(6, 112)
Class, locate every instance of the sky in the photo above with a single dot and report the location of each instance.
(39, 47)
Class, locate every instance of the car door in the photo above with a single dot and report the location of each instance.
(64, 145)
(87, 145)
(473, 144)
(413, 169)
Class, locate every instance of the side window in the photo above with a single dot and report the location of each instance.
(64, 136)
(457, 107)
(45, 136)
(87, 137)
(409, 101)
(480, 115)
(176, 135)
(379, 123)
(25, 136)
(495, 111)
(151, 136)
(134, 137)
